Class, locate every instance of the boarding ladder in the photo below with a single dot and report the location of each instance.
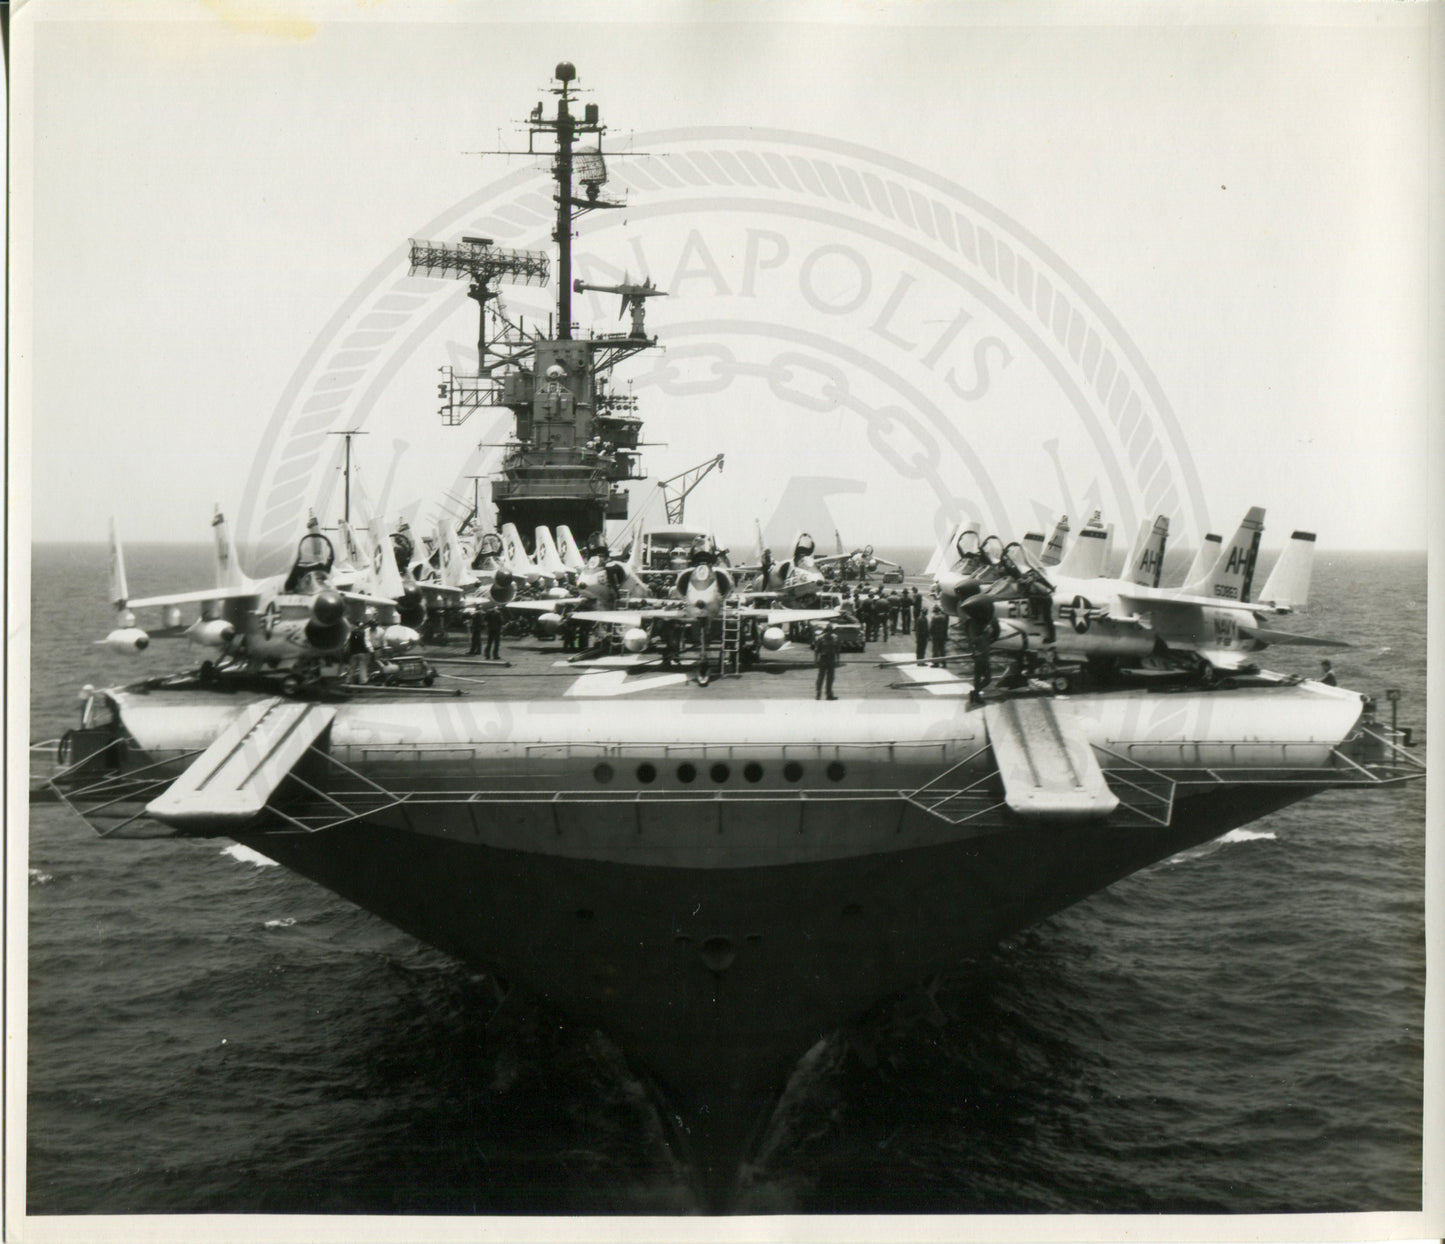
(730, 661)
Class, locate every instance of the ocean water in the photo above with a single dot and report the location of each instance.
(1234, 1030)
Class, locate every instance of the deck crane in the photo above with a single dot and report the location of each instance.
(686, 481)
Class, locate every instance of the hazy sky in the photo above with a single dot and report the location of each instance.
(868, 217)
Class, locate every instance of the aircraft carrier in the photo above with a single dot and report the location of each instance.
(717, 875)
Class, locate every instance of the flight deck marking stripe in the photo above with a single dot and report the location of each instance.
(628, 660)
(934, 680)
(619, 682)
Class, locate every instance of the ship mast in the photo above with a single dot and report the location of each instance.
(565, 129)
(574, 441)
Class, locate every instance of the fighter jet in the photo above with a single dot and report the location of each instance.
(699, 596)
(604, 582)
(1210, 626)
(287, 619)
(795, 582)
(857, 564)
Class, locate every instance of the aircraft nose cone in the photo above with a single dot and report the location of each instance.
(328, 607)
(979, 609)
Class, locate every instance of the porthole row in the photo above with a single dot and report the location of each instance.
(719, 772)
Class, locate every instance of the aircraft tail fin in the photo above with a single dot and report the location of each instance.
(1033, 544)
(387, 578)
(547, 556)
(119, 591)
(1146, 558)
(1232, 575)
(354, 556)
(567, 548)
(634, 558)
(518, 561)
(453, 560)
(1086, 557)
(228, 569)
(1207, 555)
(762, 548)
(1058, 543)
(838, 541)
(940, 556)
(1288, 585)
(358, 552)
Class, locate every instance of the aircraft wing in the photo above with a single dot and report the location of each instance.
(360, 598)
(1143, 599)
(626, 617)
(196, 598)
(545, 606)
(780, 617)
(1268, 635)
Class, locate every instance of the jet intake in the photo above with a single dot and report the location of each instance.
(328, 628)
(504, 587)
(773, 638)
(548, 624)
(635, 639)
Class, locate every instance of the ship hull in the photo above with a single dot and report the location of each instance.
(714, 981)
(716, 883)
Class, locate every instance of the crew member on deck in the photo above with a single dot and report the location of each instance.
(358, 648)
(938, 632)
(494, 636)
(920, 634)
(825, 656)
(1327, 674)
(981, 628)
(477, 625)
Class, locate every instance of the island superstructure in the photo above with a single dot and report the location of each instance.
(577, 440)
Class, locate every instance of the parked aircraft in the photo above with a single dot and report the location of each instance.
(1210, 625)
(699, 597)
(301, 615)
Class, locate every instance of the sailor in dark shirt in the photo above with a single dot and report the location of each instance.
(825, 656)
(493, 650)
(981, 629)
(1327, 675)
(938, 632)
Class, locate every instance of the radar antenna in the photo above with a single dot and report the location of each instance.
(477, 260)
